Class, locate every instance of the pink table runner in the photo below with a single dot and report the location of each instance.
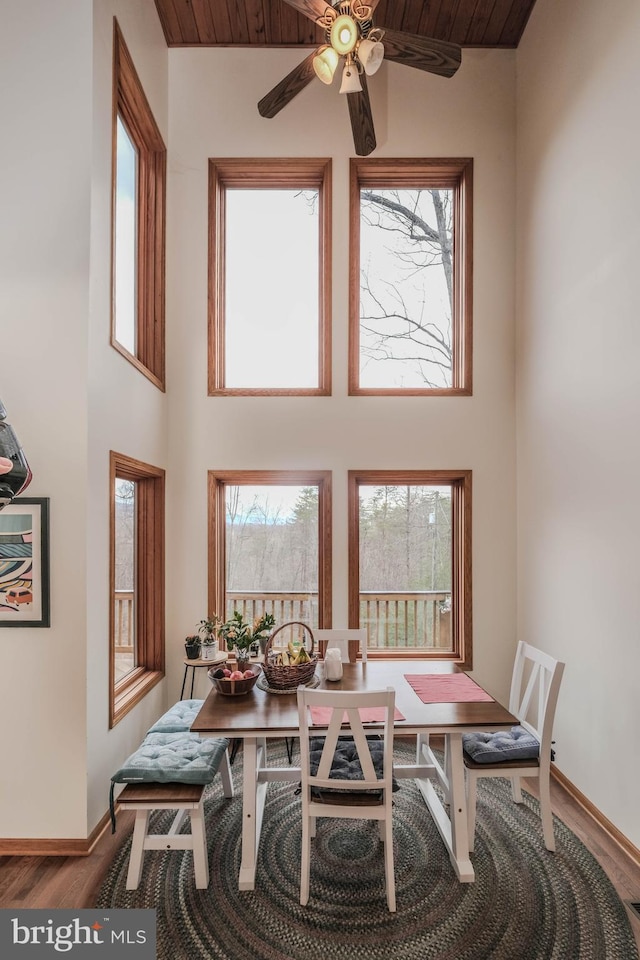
(446, 688)
(321, 716)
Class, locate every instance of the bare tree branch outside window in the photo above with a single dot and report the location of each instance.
(406, 288)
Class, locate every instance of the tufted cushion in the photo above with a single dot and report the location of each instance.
(173, 758)
(178, 718)
(345, 764)
(514, 744)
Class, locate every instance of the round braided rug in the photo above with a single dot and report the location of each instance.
(526, 903)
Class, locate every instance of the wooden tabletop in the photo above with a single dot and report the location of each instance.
(262, 713)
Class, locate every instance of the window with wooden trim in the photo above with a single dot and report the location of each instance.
(270, 545)
(410, 324)
(269, 277)
(136, 582)
(138, 222)
(410, 562)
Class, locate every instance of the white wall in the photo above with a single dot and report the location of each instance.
(578, 395)
(69, 395)
(45, 164)
(213, 97)
(127, 413)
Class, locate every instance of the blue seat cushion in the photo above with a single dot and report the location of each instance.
(181, 757)
(178, 718)
(173, 758)
(514, 744)
(346, 763)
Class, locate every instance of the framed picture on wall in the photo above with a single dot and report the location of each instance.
(24, 563)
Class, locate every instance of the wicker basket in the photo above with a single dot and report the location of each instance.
(288, 678)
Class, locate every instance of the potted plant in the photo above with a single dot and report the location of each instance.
(192, 647)
(240, 636)
(208, 630)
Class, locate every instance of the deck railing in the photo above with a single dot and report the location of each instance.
(123, 621)
(414, 619)
(418, 619)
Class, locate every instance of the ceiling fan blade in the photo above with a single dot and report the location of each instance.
(424, 53)
(273, 102)
(364, 136)
(311, 8)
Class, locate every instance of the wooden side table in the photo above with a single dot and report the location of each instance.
(194, 664)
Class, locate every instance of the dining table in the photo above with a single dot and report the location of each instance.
(262, 716)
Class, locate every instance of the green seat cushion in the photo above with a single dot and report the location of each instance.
(173, 758)
(178, 718)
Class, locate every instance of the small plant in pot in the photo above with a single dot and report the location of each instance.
(192, 647)
(240, 636)
(208, 630)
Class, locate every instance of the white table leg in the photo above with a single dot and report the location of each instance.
(451, 824)
(253, 797)
(458, 808)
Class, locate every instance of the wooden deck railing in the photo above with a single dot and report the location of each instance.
(123, 621)
(414, 619)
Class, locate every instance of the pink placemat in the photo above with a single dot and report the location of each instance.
(321, 716)
(446, 688)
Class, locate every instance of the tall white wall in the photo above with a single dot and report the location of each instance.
(70, 396)
(213, 113)
(45, 166)
(578, 396)
(126, 412)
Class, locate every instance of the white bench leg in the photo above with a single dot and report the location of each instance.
(137, 849)
(200, 858)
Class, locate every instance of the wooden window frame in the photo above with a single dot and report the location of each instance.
(131, 105)
(218, 480)
(259, 173)
(149, 583)
(455, 174)
(461, 592)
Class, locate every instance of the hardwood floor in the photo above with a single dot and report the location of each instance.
(73, 882)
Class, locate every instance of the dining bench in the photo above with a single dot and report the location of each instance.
(170, 771)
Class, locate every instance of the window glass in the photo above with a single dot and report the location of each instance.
(271, 288)
(126, 231)
(405, 565)
(406, 291)
(125, 577)
(272, 552)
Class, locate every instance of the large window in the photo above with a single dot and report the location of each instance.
(410, 562)
(269, 545)
(410, 277)
(138, 230)
(269, 277)
(136, 582)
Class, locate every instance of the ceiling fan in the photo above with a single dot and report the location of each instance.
(350, 34)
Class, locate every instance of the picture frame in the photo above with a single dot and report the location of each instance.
(24, 563)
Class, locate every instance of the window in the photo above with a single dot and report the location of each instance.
(138, 229)
(269, 545)
(136, 582)
(269, 277)
(410, 562)
(410, 277)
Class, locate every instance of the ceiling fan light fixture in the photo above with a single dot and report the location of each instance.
(325, 63)
(350, 78)
(344, 34)
(371, 55)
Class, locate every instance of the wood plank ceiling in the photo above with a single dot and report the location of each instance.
(273, 23)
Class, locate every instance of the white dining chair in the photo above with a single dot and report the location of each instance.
(526, 750)
(349, 642)
(324, 765)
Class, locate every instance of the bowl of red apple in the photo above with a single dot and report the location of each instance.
(234, 683)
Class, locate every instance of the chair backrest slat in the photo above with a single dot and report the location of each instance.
(343, 703)
(534, 702)
(348, 641)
